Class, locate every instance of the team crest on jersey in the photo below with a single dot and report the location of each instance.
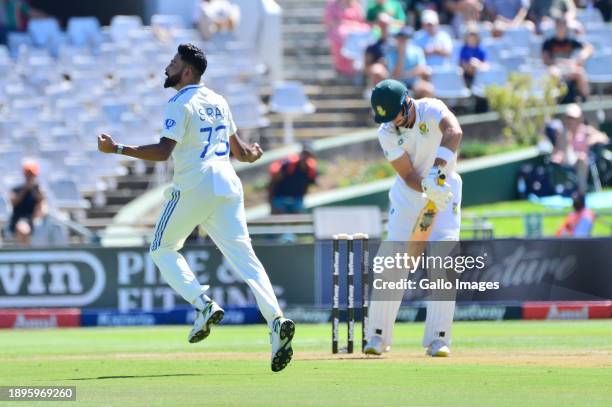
(423, 129)
(400, 141)
(381, 111)
(169, 123)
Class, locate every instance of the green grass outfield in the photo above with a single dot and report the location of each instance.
(494, 363)
(515, 226)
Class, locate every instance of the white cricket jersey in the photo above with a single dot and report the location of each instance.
(200, 122)
(421, 142)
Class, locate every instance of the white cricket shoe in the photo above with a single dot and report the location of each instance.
(282, 333)
(211, 314)
(438, 349)
(374, 346)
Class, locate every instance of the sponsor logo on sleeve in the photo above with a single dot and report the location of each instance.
(169, 123)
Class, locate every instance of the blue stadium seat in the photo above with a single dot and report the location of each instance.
(45, 32)
(355, 45)
(84, 31)
(495, 75)
(167, 21)
(449, 84)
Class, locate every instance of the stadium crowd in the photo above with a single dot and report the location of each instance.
(430, 44)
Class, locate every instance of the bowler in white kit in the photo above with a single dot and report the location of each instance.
(420, 139)
(199, 133)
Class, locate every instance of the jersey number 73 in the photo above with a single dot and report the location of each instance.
(210, 132)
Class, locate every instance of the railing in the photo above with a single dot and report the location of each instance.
(300, 226)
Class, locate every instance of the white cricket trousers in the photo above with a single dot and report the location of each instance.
(223, 218)
(402, 217)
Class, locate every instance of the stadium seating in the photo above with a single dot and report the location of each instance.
(599, 71)
(355, 45)
(289, 98)
(495, 75)
(449, 84)
(59, 89)
(84, 31)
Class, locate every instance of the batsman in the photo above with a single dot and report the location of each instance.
(420, 138)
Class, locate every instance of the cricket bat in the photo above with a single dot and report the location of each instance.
(423, 226)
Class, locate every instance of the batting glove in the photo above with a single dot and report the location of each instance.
(441, 195)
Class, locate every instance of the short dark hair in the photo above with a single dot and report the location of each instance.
(194, 56)
(578, 199)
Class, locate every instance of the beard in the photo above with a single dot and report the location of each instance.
(173, 80)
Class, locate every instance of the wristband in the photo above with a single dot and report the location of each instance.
(445, 154)
(119, 149)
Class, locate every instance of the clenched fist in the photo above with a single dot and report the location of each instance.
(106, 144)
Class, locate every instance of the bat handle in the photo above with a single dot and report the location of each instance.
(441, 179)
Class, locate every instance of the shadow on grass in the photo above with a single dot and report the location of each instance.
(149, 376)
(135, 376)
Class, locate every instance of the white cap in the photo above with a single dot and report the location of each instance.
(429, 17)
(573, 110)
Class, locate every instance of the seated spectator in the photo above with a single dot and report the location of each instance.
(508, 14)
(289, 181)
(375, 65)
(464, 12)
(407, 64)
(389, 12)
(343, 17)
(578, 223)
(436, 43)
(472, 57)
(14, 17)
(573, 142)
(216, 16)
(605, 8)
(558, 53)
(544, 12)
(26, 201)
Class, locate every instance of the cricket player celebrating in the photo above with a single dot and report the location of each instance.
(420, 138)
(199, 133)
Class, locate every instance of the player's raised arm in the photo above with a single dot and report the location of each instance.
(451, 137)
(243, 151)
(152, 152)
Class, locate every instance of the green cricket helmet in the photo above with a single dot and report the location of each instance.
(387, 99)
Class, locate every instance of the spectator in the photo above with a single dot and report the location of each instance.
(472, 57)
(48, 231)
(464, 12)
(407, 64)
(389, 12)
(436, 43)
(375, 66)
(578, 223)
(14, 17)
(543, 12)
(289, 181)
(508, 13)
(558, 55)
(343, 17)
(414, 10)
(216, 16)
(26, 200)
(573, 142)
(604, 7)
